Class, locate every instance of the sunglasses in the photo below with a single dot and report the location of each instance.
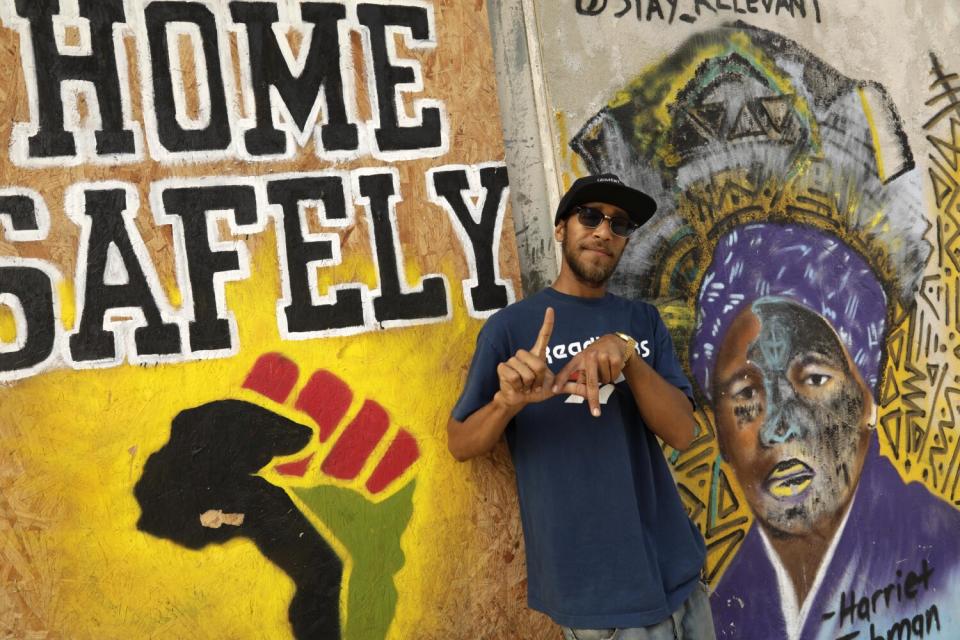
(593, 218)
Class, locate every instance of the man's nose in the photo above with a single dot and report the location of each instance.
(781, 423)
(604, 230)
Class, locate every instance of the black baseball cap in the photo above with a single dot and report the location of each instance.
(607, 187)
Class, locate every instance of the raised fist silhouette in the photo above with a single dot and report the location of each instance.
(202, 487)
(208, 466)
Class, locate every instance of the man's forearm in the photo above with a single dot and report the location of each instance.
(664, 408)
(480, 431)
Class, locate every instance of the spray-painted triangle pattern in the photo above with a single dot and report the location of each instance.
(746, 125)
(778, 110)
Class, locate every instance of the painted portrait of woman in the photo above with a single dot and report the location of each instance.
(788, 349)
(791, 236)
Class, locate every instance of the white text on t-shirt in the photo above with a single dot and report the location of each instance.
(570, 349)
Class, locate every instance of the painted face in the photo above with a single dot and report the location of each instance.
(791, 415)
(592, 254)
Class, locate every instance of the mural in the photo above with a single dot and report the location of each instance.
(789, 257)
(245, 250)
(240, 438)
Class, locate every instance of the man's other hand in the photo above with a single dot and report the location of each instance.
(600, 363)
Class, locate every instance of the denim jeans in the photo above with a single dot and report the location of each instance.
(691, 621)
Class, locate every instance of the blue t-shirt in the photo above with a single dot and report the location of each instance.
(608, 541)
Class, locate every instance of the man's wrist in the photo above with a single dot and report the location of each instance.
(637, 369)
(500, 403)
(630, 346)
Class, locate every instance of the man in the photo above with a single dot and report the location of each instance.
(610, 549)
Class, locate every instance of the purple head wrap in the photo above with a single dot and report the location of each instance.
(809, 267)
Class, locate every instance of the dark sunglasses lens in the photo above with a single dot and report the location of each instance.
(589, 217)
(622, 227)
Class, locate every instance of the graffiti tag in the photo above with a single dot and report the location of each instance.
(690, 10)
(889, 597)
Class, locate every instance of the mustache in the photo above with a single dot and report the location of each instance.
(594, 246)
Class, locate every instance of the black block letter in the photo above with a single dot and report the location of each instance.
(390, 135)
(210, 328)
(108, 229)
(393, 303)
(484, 235)
(33, 290)
(302, 315)
(52, 68)
(299, 93)
(216, 135)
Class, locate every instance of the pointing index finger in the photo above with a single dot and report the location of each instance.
(539, 348)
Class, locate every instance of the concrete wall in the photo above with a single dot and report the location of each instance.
(805, 158)
(246, 250)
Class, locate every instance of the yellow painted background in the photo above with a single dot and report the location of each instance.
(73, 443)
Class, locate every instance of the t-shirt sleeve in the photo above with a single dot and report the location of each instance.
(482, 381)
(665, 357)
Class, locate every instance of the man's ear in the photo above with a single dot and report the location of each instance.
(560, 230)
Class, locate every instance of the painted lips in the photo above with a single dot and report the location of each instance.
(789, 479)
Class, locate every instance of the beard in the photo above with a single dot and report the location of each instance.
(584, 270)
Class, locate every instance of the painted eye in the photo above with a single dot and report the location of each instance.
(747, 393)
(817, 379)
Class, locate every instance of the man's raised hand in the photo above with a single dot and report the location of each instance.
(525, 377)
(539, 348)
